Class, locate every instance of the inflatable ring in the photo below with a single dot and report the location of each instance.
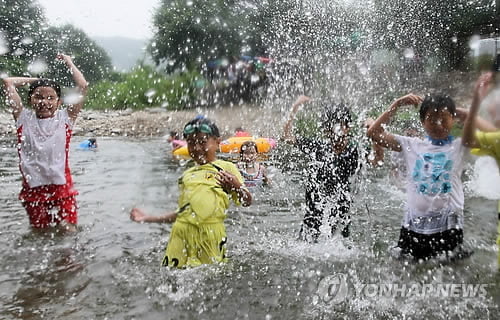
(233, 144)
(181, 153)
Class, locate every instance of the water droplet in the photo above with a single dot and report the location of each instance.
(150, 93)
(409, 53)
(4, 46)
(474, 42)
(37, 66)
(73, 97)
(254, 78)
(27, 40)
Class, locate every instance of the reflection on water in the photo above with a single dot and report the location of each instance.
(111, 267)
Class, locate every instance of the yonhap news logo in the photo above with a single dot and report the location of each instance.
(337, 288)
(333, 288)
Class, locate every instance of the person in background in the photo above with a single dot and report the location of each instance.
(175, 140)
(254, 172)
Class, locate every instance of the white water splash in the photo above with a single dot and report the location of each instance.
(486, 181)
(37, 66)
(73, 97)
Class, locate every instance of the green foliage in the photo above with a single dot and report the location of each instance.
(25, 38)
(307, 125)
(90, 58)
(144, 87)
(21, 26)
(191, 32)
(12, 64)
(433, 28)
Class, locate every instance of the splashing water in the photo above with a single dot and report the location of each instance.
(72, 96)
(37, 66)
(474, 42)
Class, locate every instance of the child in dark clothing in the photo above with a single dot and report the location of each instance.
(333, 160)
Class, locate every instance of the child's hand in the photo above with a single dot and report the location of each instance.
(137, 215)
(228, 181)
(482, 85)
(410, 99)
(63, 57)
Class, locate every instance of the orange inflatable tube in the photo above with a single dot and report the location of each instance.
(233, 144)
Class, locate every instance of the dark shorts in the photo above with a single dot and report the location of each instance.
(43, 214)
(424, 246)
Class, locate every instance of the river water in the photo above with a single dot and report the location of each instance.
(110, 269)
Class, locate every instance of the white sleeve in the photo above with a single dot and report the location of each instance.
(465, 151)
(23, 117)
(65, 117)
(404, 142)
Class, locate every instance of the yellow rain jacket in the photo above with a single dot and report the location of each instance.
(198, 235)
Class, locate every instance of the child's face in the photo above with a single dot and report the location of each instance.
(438, 123)
(45, 102)
(249, 154)
(337, 133)
(202, 147)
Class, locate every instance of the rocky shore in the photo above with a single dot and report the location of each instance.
(155, 122)
(260, 120)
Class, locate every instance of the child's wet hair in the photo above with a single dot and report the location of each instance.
(437, 102)
(335, 114)
(248, 144)
(44, 83)
(201, 124)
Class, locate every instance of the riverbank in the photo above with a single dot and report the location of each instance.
(154, 122)
(260, 120)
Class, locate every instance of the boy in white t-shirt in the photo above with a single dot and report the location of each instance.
(44, 133)
(433, 222)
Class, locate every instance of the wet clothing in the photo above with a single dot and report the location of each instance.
(43, 147)
(435, 197)
(44, 214)
(424, 246)
(198, 235)
(252, 180)
(327, 187)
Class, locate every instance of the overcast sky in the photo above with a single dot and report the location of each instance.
(125, 18)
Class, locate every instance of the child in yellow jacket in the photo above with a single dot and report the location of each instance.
(198, 235)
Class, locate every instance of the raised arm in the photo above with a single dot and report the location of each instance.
(377, 133)
(376, 155)
(138, 215)
(13, 99)
(287, 129)
(470, 124)
(81, 86)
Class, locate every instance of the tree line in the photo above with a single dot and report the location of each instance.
(190, 33)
